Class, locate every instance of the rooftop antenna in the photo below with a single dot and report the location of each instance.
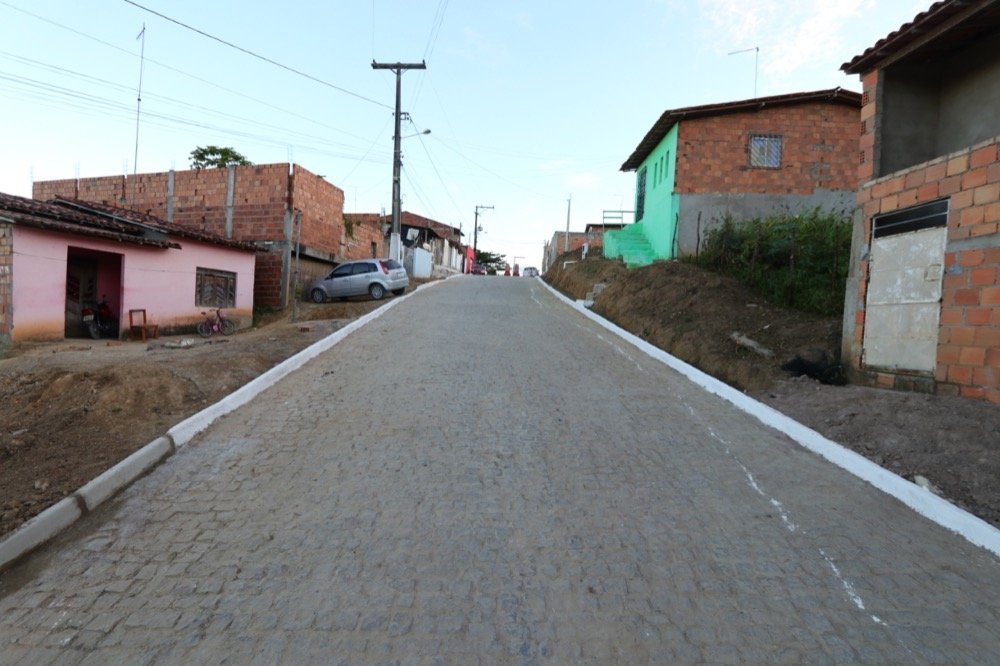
(138, 103)
(756, 57)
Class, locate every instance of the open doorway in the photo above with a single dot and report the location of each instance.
(91, 277)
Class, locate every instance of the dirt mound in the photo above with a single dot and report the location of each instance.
(694, 314)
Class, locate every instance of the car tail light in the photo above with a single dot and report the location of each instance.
(384, 269)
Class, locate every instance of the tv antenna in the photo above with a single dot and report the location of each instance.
(756, 58)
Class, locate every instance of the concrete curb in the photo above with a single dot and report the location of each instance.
(64, 513)
(934, 508)
(111, 481)
(39, 529)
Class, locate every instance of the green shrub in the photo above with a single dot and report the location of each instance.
(797, 261)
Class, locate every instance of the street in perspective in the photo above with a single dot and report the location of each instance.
(484, 475)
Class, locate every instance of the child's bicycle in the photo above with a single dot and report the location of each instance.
(218, 322)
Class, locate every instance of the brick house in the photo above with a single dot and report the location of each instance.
(57, 258)
(256, 204)
(746, 159)
(922, 310)
(593, 236)
(442, 241)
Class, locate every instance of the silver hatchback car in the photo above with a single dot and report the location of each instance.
(355, 278)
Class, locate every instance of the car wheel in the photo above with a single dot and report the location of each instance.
(376, 291)
(399, 292)
(318, 296)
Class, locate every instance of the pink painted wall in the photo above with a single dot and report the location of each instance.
(162, 281)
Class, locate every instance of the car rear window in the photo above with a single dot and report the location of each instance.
(392, 264)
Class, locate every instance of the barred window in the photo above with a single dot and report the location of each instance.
(765, 151)
(214, 288)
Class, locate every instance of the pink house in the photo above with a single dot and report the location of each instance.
(57, 257)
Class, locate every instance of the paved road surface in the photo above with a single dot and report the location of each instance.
(483, 475)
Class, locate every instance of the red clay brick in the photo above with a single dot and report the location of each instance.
(972, 392)
(972, 356)
(959, 375)
(983, 156)
(957, 165)
(971, 258)
(974, 178)
(953, 316)
(948, 354)
(990, 296)
(986, 336)
(946, 389)
(964, 337)
(977, 316)
(983, 277)
(928, 192)
(935, 172)
(960, 200)
(986, 194)
(985, 229)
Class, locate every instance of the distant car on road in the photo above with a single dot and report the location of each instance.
(530, 271)
(478, 269)
(356, 278)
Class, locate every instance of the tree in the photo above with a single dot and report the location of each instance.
(491, 261)
(214, 156)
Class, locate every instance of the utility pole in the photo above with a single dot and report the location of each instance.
(395, 246)
(569, 202)
(475, 232)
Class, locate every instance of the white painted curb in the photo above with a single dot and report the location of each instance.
(39, 529)
(921, 500)
(125, 472)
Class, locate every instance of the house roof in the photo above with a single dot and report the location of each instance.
(673, 116)
(944, 26)
(54, 217)
(137, 219)
(406, 218)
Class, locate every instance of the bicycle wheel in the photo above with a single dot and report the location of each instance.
(227, 326)
(205, 329)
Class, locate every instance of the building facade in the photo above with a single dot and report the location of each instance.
(922, 310)
(698, 166)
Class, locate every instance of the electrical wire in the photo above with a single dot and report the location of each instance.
(258, 56)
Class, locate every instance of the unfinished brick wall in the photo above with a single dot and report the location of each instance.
(819, 151)
(968, 352)
(262, 199)
(322, 207)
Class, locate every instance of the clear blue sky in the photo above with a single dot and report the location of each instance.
(530, 103)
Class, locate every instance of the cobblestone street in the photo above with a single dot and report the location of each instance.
(482, 475)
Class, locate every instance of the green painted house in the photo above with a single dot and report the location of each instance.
(751, 158)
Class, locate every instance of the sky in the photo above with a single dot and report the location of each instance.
(532, 106)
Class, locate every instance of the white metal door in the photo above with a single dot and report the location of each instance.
(904, 300)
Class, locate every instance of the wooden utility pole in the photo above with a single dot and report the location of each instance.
(395, 246)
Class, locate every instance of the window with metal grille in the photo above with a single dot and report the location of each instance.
(764, 151)
(215, 288)
(915, 218)
(640, 194)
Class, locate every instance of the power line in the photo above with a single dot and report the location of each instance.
(257, 55)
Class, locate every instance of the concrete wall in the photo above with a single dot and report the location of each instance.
(933, 109)
(700, 213)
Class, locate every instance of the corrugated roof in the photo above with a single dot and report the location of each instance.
(944, 26)
(669, 118)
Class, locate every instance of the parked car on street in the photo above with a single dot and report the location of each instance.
(478, 269)
(374, 277)
(530, 271)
